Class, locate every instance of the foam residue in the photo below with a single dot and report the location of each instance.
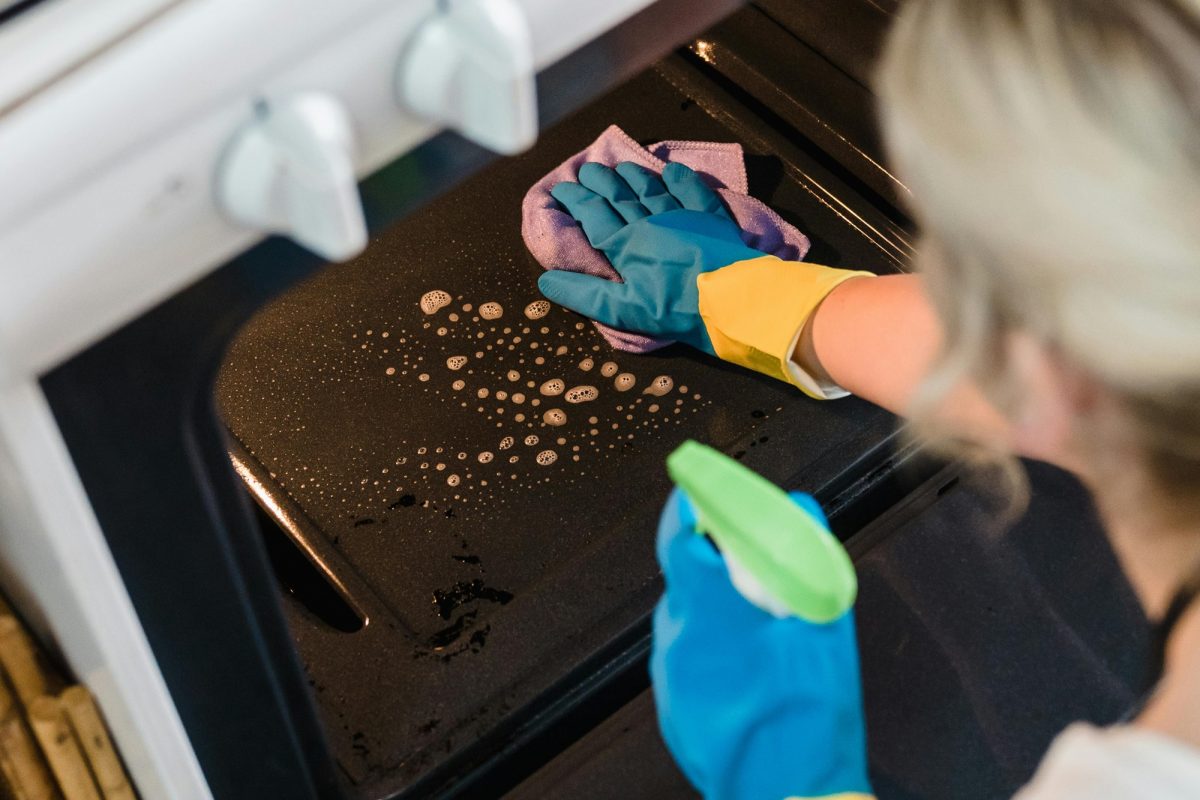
(582, 394)
(660, 386)
(537, 309)
(511, 368)
(434, 301)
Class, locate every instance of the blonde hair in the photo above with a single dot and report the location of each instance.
(1053, 148)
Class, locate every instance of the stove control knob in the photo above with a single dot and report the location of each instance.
(470, 67)
(290, 171)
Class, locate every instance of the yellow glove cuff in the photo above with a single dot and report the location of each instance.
(754, 310)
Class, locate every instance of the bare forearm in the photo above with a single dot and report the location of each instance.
(878, 339)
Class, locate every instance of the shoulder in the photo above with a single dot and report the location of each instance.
(1117, 763)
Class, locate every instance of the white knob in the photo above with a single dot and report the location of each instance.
(470, 67)
(291, 171)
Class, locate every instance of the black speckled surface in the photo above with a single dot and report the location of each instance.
(481, 598)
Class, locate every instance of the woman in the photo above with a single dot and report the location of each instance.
(1053, 152)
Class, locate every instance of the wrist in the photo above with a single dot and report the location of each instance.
(756, 313)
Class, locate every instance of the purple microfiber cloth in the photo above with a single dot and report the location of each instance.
(557, 241)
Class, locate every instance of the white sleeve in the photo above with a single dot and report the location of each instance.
(803, 378)
(1119, 763)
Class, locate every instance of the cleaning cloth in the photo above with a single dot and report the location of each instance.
(557, 241)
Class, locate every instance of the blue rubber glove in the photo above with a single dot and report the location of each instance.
(752, 706)
(659, 234)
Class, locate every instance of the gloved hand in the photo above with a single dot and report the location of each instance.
(659, 234)
(687, 275)
(752, 706)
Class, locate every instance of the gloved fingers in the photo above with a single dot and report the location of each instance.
(809, 504)
(596, 298)
(691, 192)
(688, 559)
(649, 187)
(594, 214)
(605, 182)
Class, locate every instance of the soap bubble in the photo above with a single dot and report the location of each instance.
(537, 309)
(531, 440)
(456, 362)
(434, 301)
(624, 382)
(507, 442)
(582, 394)
(458, 385)
(514, 376)
(555, 417)
(660, 386)
(491, 310)
(453, 480)
(485, 457)
(609, 368)
(553, 387)
(587, 364)
(546, 458)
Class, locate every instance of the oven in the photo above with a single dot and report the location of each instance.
(296, 553)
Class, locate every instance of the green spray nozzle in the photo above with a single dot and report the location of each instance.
(787, 551)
